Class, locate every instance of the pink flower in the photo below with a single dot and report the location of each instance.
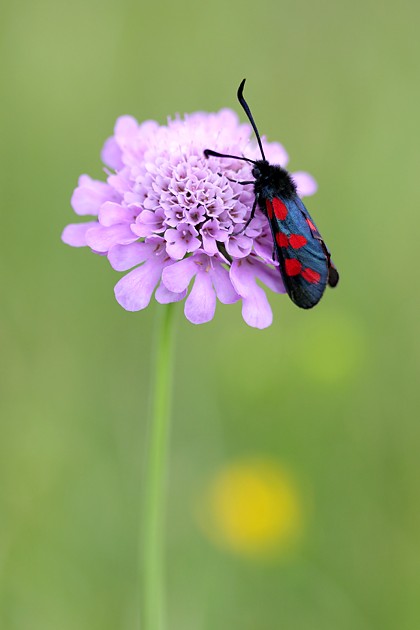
(172, 218)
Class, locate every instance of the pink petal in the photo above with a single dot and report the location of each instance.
(148, 222)
(133, 291)
(276, 153)
(101, 239)
(121, 182)
(111, 154)
(175, 245)
(90, 195)
(306, 184)
(177, 277)
(270, 277)
(125, 127)
(263, 247)
(256, 310)
(223, 285)
(201, 302)
(242, 276)
(239, 246)
(123, 257)
(164, 296)
(209, 245)
(193, 245)
(112, 213)
(75, 233)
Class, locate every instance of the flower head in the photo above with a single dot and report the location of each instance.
(170, 217)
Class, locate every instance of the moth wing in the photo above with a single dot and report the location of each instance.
(333, 275)
(302, 255)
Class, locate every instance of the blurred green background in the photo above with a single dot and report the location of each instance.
(330, 394)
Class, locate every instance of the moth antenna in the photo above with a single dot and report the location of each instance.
(250, 118)
(208, 152)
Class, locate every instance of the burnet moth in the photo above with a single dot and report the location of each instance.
(304, 259)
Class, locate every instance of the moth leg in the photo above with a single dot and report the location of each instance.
(254, 207)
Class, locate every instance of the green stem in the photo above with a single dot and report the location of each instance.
(154, 507)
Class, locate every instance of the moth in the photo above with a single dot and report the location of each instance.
(304, 260)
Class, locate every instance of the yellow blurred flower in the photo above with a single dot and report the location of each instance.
(252, 507)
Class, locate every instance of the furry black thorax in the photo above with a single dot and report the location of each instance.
(272, 181)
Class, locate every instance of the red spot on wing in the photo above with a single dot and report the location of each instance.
(311, 225)
(282, 240)
(293, 266)
(297, 240)
(280, 209)
(311, 276)
(269, 207)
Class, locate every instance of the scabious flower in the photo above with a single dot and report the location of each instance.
(173, 219)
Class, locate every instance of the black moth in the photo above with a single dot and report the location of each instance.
(304, 259)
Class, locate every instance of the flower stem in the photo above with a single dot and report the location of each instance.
(154, 507)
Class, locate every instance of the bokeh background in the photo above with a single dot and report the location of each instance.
(322, 408)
